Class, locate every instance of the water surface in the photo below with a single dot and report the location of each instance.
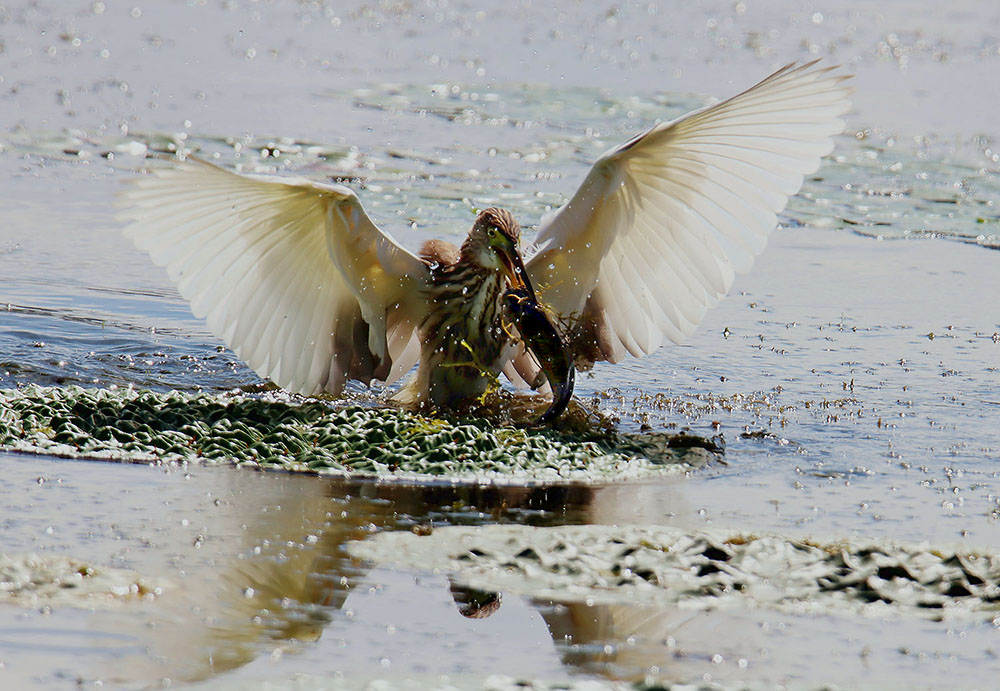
(854, 372)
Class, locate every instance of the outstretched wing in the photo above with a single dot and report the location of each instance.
(291, 274)
(653, 236)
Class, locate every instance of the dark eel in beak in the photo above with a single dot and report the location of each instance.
(543, 340)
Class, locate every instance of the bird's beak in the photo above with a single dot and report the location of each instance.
(514, 268)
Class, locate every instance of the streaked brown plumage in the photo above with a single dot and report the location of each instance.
(462, 335)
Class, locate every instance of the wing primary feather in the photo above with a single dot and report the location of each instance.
(710, 228)
(294, 342)
(681, 281)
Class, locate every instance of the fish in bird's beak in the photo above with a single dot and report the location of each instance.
(513, 267)
(543, 340)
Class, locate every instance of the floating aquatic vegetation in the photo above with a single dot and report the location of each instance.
(891, 189)
(313, 436)
(36, 580)
(876, 185)
(701, 570)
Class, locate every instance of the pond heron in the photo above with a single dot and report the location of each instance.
(296, 278)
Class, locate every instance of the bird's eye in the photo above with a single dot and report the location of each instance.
(493, 232)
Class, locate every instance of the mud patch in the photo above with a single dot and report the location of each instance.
(496, 682)
(660, 565)
(313, 436)
(35, 580)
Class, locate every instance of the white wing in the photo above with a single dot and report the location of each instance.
(652, 237)
(291, 274)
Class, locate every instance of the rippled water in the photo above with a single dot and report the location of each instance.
(854, 373)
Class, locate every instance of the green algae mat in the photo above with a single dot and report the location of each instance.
(277, 432)
(667, 567)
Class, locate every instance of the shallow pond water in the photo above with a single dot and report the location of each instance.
(854, 373)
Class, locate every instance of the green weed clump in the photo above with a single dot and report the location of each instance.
(310, 435)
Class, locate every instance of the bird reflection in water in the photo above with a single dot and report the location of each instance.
(473, 603)
(281, 584)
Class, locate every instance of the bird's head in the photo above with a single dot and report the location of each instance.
(495, 243)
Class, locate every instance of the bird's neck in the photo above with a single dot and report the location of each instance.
(462, 335)
(475, 251)
(464, 304)
(470, 284)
